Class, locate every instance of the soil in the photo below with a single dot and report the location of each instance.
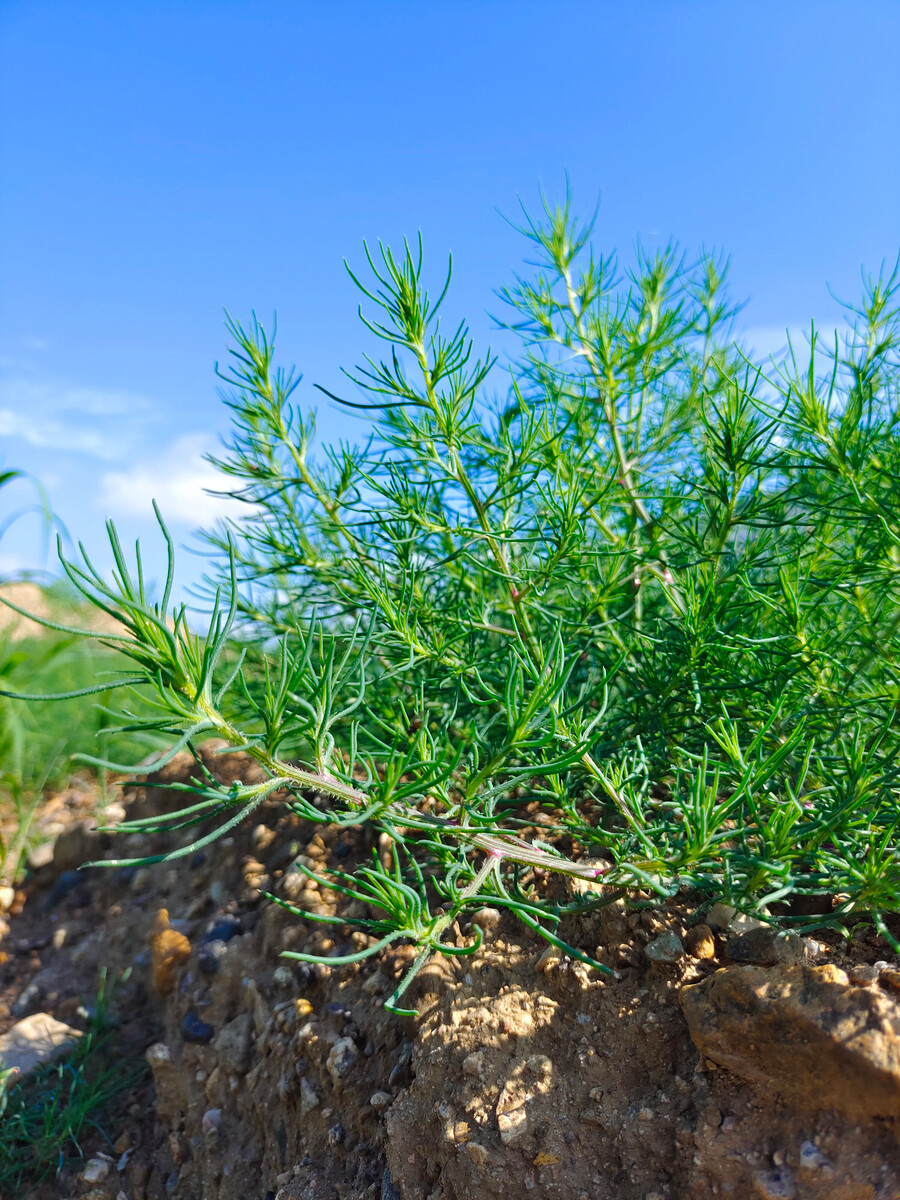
(32, 598)
(525, 1074)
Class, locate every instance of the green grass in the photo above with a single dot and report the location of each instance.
(37, 742)
(45, 1117)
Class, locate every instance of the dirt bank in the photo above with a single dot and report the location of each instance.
(525, 1073)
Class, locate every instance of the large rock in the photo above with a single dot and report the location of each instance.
(38, 1039)
(805, 1032)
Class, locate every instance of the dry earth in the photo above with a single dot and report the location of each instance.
(32, 598)
(526, 1074)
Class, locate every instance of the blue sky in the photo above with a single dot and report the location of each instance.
(163, 161)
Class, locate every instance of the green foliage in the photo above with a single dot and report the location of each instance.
(644, 600)
(37, 745)
(43, 1117)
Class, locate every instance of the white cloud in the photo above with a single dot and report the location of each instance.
(53, 415)
(765, 341)
(177, 479)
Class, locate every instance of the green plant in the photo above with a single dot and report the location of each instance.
(43, 1116)
(645, 603)
(36, 746)
(33, 752)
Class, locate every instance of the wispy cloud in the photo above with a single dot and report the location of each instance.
(177, 479)
(765, 341)
(51, 414)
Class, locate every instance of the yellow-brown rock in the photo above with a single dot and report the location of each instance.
(170, 949)
(804, 1032)
(700, 943)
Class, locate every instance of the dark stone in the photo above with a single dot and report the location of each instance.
(223, 929)
(281, 856)
(195, 1029)
(310, 974)
(66, 882)
(765, 947)
(28, 999)
(209, 957)
(388, 1191)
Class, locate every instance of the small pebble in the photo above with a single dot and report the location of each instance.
(539, 1064)
(309, 1098)
(292, 884)
(812, 1158)
(775, 1185)
(28, 999)
(890, 977)
(311, 974)
(741, 923)
(767, 947)
(862, 974)
(41, 856)
(262, 837)
(473, 1064)
(209, 957)
(212, 1119)
(666, 948)
(628, 955)
(720, 916)
(123, 1142)
(283, 977)
(550, 958)
(380, 1101)
(342, 1058)
(487, 918)
(336, 1134)
(96, 1169)
(196, 1030)
(700, 943)
(478, 1154)
(223, 929)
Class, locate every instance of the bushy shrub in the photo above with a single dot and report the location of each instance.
(635, 618)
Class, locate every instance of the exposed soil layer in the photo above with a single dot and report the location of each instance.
(525, 1073)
